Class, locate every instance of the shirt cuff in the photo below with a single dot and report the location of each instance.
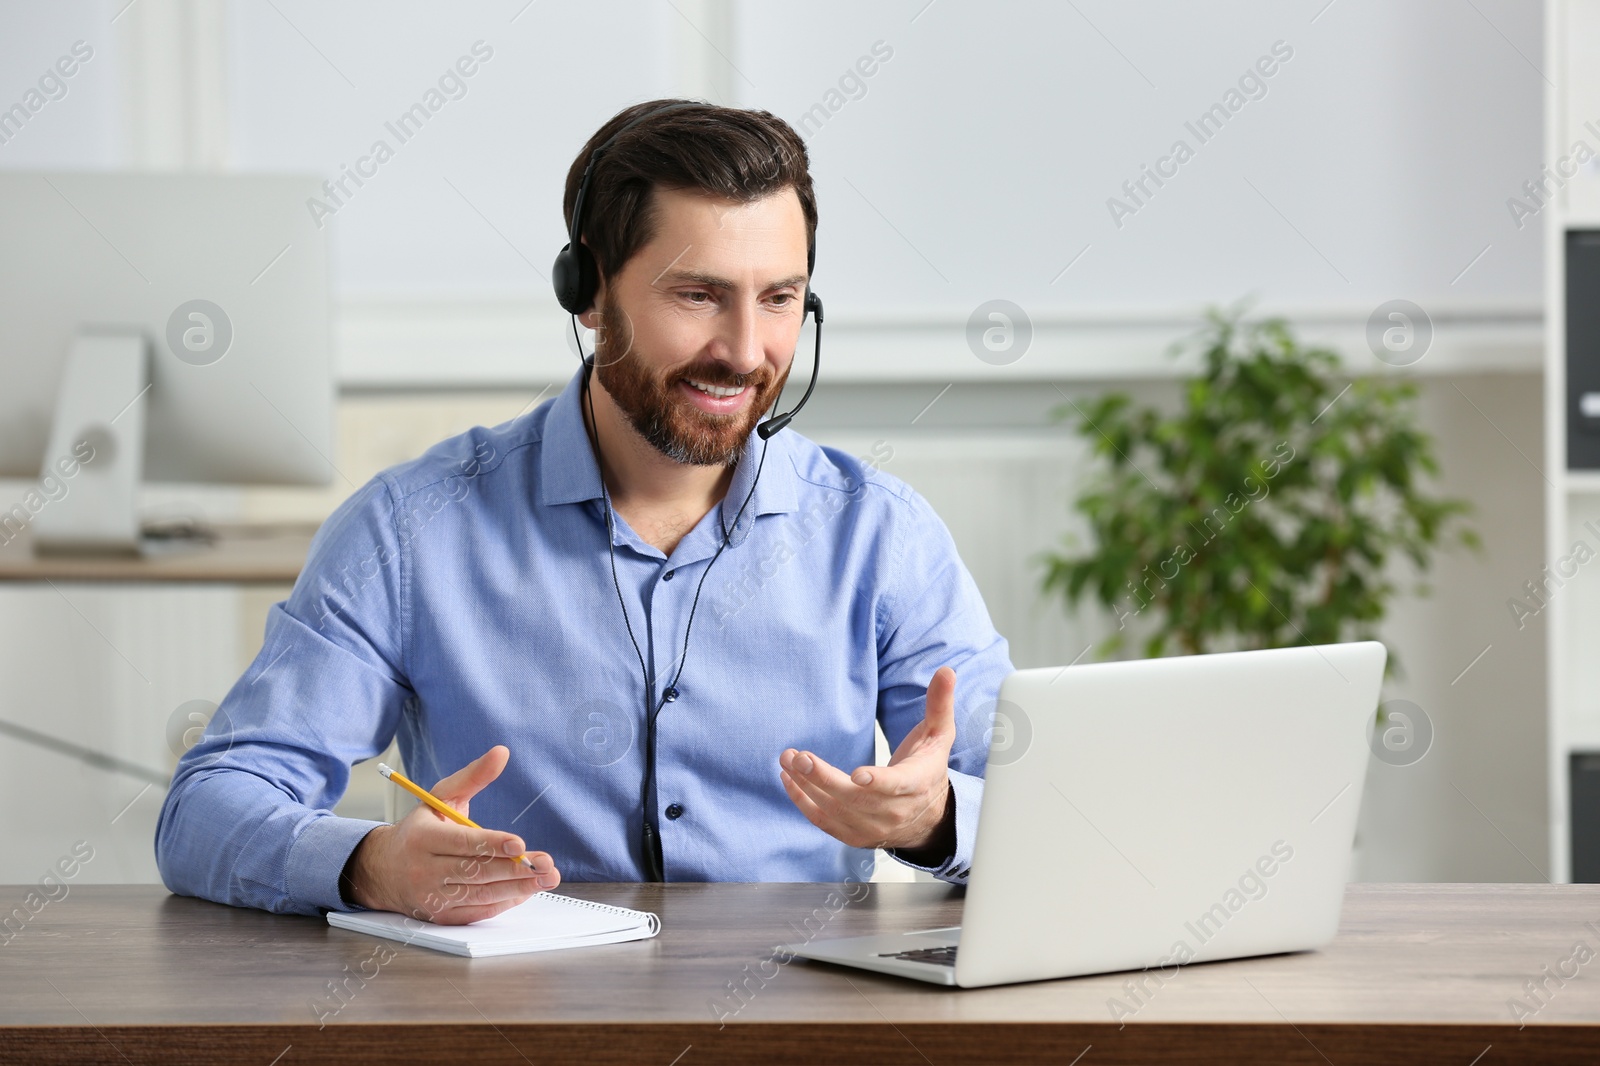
(317, 858)
(968, 792)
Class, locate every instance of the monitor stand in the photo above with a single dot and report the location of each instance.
(96, 451)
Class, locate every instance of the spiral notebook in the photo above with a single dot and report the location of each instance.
(544, 922)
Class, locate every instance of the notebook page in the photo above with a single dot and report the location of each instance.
(547, 920)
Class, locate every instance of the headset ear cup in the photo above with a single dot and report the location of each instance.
(565, 279)
(574, 278)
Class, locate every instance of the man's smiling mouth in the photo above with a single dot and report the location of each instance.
(719, 391)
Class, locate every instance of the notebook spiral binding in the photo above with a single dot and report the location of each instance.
(650, 916)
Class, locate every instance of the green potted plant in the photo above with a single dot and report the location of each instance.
(1264, 511)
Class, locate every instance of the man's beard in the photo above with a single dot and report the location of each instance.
(672, 425)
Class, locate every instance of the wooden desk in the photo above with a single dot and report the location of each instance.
(1419, 973)
(241, 555)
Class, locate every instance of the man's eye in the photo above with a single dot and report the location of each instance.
(786, 297)
(691, 297)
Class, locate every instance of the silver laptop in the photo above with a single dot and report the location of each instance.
(1154, 813)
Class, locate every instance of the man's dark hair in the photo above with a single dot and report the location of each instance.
(726, 152)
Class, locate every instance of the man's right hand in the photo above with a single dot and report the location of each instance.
(430, 868)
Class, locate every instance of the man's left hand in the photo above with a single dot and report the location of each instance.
(901, 805)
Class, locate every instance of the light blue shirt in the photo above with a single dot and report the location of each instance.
(465, 599)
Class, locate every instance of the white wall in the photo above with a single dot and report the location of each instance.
(976, 162)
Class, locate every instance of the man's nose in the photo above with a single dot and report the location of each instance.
(740, 342)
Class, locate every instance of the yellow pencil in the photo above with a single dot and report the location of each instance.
(435, 802)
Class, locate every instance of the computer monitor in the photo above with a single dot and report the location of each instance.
(169, 327)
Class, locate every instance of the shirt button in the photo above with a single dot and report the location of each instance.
(670, 695)
(675, 811)
(668, 575)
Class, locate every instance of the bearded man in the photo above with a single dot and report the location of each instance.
(637, 638)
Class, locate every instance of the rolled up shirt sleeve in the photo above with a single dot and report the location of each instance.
(248, 820)
(933, 615)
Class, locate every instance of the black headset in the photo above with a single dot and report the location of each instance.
(576, 279)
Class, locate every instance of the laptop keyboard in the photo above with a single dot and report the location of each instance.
(945, 956)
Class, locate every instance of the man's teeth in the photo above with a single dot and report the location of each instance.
(715, 390)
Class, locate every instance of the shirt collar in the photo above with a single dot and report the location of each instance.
(568, 472)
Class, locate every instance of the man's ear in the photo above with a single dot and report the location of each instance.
(591, 318)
